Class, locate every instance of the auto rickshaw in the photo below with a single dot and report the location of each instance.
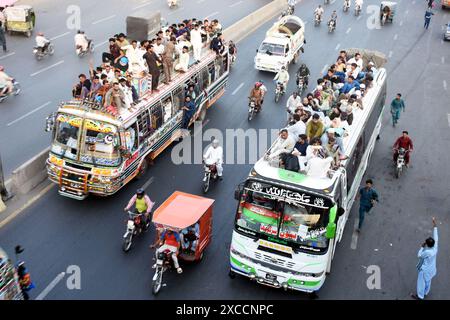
(20, 18)
(387, 11)
(191, 217)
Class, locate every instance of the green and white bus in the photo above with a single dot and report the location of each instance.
(288, 224)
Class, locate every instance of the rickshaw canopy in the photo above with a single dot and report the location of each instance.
(18, 13)
(181, 210)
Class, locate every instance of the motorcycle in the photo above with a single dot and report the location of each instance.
(210, 173)
(134, 228)
(357, 10)
(317, 19)
(331, 26)
(400, 161)
(279, 91)
(172, 3)
(384, 18)
(290, 10)
(346, 5)
(301, 85)
(252, 109)
(39, 53)
(15, 92)
(90, 49)
(163, 263)
(326, 1)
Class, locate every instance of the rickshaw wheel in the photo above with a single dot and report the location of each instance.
(28, 34)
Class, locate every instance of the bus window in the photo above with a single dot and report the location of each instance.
(219, 67)
(144, 124)
(131, 138)
(205, 79)
(157, 116)
(225, 63)
(178, 99)
(167, 108)
(212, 72)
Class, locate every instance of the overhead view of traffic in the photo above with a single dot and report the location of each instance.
(224, 150)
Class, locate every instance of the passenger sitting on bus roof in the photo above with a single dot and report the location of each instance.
(340, 65)
(298, 128)
(96, 85)
(114, 51)
(349, 85)
(81, 90)
(314, 128)
(332, 135)
(333, 151)
(319, 164)
(353, 70)
(108, 71)
(128, 94)
(371, 68)
(343, 56)
(183, 62)
(284, 144)
(300, 151)
(122, 40)
(356, 59)
(115, 97)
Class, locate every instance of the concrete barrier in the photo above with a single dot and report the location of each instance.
(30, 174)
(244, 27)
(33, 172)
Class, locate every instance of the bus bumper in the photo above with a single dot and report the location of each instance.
(273, 279)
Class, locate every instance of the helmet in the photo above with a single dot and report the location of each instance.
(283, 68)
(79, 31)
(140, 192)
(258, 84)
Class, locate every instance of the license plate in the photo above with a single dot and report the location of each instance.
(271, 277)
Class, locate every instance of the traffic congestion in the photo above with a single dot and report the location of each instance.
(257, 159)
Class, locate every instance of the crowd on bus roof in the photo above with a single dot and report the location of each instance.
(113, 84)
(312, 143)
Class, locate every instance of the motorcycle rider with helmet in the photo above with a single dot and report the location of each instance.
(303, 72)
(257, 93)
(143, 205)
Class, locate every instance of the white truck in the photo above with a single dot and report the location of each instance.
(282, 45)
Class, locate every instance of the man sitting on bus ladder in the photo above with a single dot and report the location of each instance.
(189, 110)
(284, 144)
(170, 240)
(190, 237)
(315, 127)
(183, 62)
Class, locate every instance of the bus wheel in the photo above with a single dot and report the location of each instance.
(232, 274)
(142, 169)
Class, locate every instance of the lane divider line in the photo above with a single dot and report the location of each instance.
(47, 68)
(104, 19)
(51, 286)
(235, 4)
(29, 113)
(60, 36)
(237, 89)
(7, 55)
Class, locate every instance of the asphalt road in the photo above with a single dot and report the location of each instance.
(59, 232)
(47, 82)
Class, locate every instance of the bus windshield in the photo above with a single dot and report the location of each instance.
(67, 135)
(283, 217)
(100, 143)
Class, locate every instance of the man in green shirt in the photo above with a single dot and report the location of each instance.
(396, 106)
(315, 127)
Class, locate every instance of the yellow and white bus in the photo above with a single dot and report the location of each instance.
(96, 151)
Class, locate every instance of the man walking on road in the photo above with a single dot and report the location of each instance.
(396, 106)
(367, 198)
(2, 36)
(428, 15)
(427, 264)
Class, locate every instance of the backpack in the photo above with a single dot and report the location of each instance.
(290, 162)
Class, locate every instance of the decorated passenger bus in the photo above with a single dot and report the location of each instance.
(288, 223)
(96, 150)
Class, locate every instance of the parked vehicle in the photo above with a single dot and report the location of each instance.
(282, 44)
(180, 212)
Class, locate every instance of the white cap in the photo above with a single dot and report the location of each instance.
(371, 63)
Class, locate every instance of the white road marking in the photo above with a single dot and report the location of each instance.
(337, 46)
(445, 84)
(142, 5)
(60, 36)
(401, 23)
(29, 113)
(212, 15)
(332, 1)
(104, 19)
(47, 68)
(325, 67)
(396, 37)
(101, 43)
(390, 54)
(200, 1)
(7, 55)
(443, 59)
(149, 182)
(359, 17)
(174, 11)
(306, 22)
(448, 118)
(406, 12)
(51, 286)
(348, 30)
(354, 243)
(236, 4)
(414, 2)
(237, 89)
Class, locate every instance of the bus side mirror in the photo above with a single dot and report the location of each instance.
(50, 122)
(340, 212)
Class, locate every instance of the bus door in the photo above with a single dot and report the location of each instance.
(343, 203)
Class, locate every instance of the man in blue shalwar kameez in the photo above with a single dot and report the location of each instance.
(427, 264)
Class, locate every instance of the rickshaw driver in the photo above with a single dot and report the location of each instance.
(169, 240)
(42, 42)
(190, 237)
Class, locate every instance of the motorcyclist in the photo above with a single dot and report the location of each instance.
(303, 72)
(283, 77)
(42, 42)
(214, 155)
(359, 3)
(170, 240)
(172, 3)
(292, 3)
(319, 11)
(6, 82)
(258, 94)
(333, 18)
(143, 205)
(406, 143)
(292, 104)
(81, 41)
(232, 50)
